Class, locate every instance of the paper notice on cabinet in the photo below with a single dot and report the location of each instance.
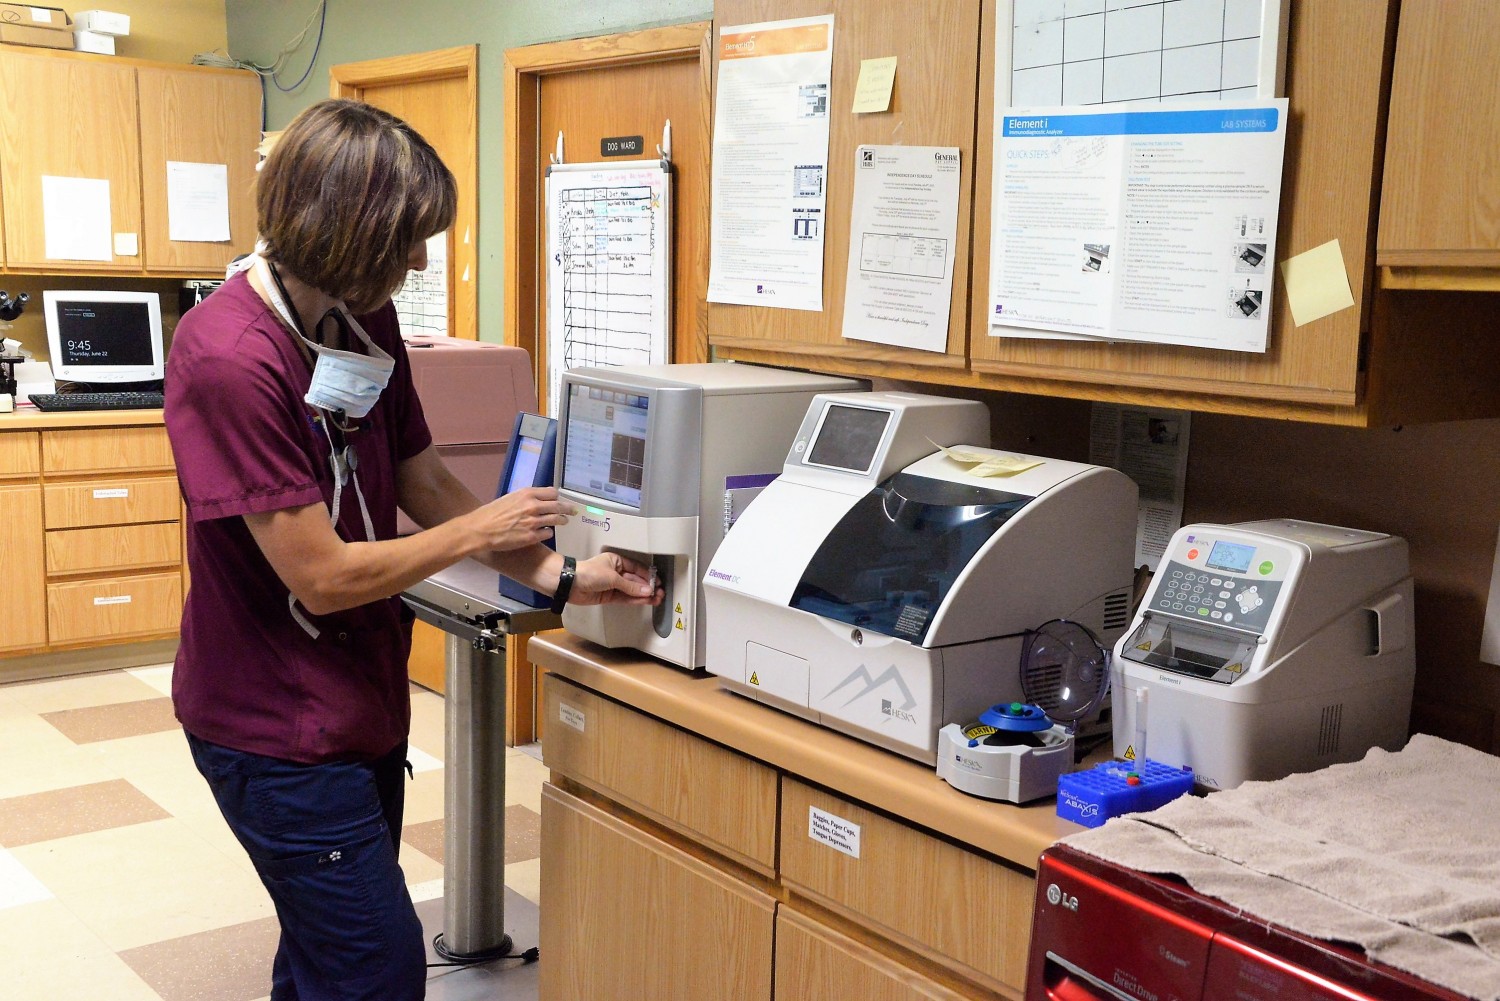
(1151, 447)
(197, 202)
(422, 302)
(76, 219)
(1137, 223)
(902, 231)
(770, 163)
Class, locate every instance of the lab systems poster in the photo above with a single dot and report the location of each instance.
(905, 219)
(1137, 224)
(770, 163)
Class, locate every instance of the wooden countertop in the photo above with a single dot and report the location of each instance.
(849, 767)
(31, 419)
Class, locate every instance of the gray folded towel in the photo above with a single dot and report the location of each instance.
(1399, 853)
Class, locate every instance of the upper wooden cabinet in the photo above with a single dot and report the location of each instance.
(79, 116)
(194, 116)
(70, 118)
(1391, 358)
(1440, 206)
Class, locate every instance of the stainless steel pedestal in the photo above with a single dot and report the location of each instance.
(464, 601)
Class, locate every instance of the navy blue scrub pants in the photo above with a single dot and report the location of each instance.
(324, 839)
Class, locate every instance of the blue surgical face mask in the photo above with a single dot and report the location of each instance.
(350, 381)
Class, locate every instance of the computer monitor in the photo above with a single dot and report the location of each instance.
(109, 337)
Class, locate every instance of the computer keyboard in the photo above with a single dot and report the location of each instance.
(133, 400)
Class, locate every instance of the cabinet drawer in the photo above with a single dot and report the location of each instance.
(816, 963)
(119, 608)
(720, 798)
(112, 502)
(18, 453)
(968, 912)
(119, 547)
(103, 450)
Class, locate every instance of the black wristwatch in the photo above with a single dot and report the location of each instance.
(564, 585)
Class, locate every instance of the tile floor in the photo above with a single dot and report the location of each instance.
(119, 880)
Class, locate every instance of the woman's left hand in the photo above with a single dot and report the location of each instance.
(611, 579)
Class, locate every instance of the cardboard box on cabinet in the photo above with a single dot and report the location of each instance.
(24, 24)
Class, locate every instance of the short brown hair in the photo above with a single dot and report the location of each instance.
(345, 195)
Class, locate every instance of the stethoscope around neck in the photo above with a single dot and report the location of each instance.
(342, 458)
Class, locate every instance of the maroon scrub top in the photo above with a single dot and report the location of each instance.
(247, 675)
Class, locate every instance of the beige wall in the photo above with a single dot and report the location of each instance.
(171, 31)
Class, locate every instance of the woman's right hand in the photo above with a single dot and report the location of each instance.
(519, 519)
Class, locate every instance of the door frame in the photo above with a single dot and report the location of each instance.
(524, 153)
(351, 80)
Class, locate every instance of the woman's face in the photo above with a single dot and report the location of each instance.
(416, 258)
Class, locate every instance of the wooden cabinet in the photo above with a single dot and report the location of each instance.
(203, 118)
(66, 118)
(91, 525)
(629, 915)
(1440, 202)
(23, 613)
(650, 830)
(721, 799)
(1382, 361)
(816, 963)
(73, 116)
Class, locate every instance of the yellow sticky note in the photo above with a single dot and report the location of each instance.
(1004, 465)
(873, 91)
(1316, 283)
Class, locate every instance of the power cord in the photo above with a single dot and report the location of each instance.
(495, 955)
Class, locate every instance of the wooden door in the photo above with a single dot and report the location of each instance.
(203, 116)
(67, 116)
(437, 93)
(631, 916)
(23, 613)
(590, 89)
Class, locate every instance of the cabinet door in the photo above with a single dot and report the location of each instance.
(629, 916)
(23, 613)
(67, 117)
(1440, 204)
(816, 963)
(201, 117)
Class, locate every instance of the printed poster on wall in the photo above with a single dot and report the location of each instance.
(770, 163)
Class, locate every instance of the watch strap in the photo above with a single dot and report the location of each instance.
(564, 585)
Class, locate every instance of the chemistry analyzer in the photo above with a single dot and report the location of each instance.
(884, 588)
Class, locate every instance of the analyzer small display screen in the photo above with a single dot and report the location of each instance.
(1232, 557)
(604, 443)
(848, 438)
(104, 333)
(523, 471)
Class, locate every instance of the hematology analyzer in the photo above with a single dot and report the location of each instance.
(1270, 647)
(884, 589)
(659, 459)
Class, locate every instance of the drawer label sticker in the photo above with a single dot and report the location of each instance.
(570, 716)
(835, 832)
(111, 492)
(118, 599)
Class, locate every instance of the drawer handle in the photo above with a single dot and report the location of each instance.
(111, 493)
(118, 599)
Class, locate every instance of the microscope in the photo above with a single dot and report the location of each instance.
(9, 310)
